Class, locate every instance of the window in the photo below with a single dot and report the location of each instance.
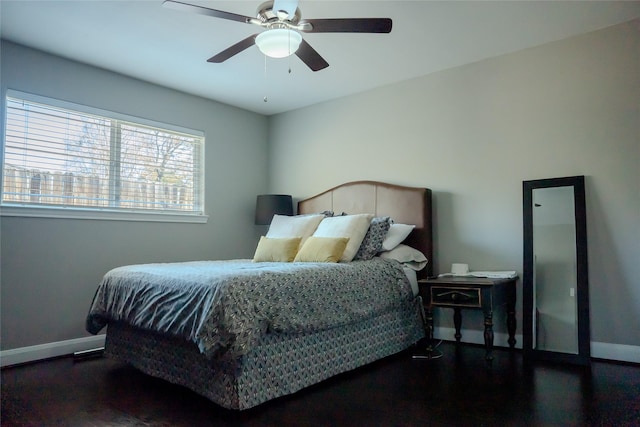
(59, 155)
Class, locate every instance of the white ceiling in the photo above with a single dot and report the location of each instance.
(145, 40)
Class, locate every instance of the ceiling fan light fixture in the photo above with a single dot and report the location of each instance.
(278, 42)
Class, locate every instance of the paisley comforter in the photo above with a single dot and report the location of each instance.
(224, 307)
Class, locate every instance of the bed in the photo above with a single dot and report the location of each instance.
(272, 361)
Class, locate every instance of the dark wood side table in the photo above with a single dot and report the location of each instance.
(474, 293)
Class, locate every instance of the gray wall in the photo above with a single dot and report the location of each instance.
(474, 133)
(50, 267)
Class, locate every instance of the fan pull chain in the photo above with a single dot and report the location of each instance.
(265, 79)
(290, 53)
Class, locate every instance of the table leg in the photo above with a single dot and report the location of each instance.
(457, 321)
(428, 311)
(488, 334)
(511, 314)
(430, 352)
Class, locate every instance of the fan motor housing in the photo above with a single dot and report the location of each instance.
(266, 14)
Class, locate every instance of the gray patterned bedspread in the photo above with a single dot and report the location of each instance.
(225, 306)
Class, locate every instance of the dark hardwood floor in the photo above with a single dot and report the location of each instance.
(455, 390)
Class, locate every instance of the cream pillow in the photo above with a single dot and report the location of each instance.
(276, 250)
(396, 235)
(302, 226)
(322, 249)
(352, 226)
(406, 255)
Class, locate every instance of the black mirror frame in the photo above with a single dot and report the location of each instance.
(582, 287)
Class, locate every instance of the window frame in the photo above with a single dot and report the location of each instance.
(18, 209)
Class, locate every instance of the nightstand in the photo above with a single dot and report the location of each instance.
(471, 293)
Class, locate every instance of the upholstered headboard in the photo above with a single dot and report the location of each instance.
(406, 205)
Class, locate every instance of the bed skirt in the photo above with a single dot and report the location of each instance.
(282, 363)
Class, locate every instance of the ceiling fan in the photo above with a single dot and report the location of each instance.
(283, 23)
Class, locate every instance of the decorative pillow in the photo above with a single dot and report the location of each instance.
(352, 226)
(372, 242)
(302, 226)
(322, 249)
(276, 249)
(406, 255)
(396, 235)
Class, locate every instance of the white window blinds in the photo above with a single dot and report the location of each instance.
(74, 158)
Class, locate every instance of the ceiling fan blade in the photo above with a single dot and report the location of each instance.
(233, 50)
(349, 25)
(288, 6)
(309, 56)
(205, 11)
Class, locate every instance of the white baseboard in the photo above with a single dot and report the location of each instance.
(45, 351)
(475, 337)
(600, 350)
(619, 352)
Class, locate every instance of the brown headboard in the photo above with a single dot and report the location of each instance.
(406, 205)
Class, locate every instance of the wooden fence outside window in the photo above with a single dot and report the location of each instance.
(21, 185)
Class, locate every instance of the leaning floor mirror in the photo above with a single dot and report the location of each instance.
(555, 271)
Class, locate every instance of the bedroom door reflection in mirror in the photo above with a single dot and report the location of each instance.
(555, 284)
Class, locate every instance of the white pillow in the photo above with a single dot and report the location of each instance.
(406, 255)
(302, 226)
(396, 235)
(352, 226)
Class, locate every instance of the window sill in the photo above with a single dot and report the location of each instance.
(99, 214)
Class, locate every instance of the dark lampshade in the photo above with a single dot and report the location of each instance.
(268, 205)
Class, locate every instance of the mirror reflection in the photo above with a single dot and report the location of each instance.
(555, 325)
